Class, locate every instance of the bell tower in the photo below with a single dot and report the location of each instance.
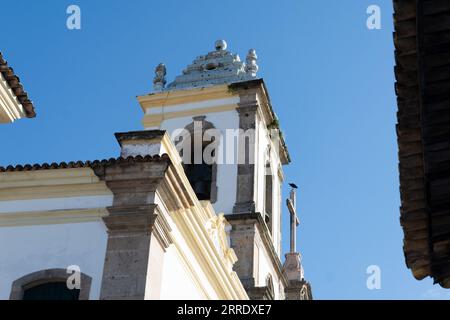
(220, 118)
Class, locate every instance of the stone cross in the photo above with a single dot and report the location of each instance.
(295, 222)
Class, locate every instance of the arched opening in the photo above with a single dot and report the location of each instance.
(50, 284)
(201, 173)
(51, 291)
(200, 177)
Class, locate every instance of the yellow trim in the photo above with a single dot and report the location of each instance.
(47, 178)
(15, 219)
(43, 184)
(60, 191)
(183, 96)
(155, 120)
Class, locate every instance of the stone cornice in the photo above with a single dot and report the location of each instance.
(130, 219)
(131, 136)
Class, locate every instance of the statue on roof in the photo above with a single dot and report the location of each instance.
(159, 82)
(251, 67)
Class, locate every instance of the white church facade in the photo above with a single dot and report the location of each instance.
(191, 208)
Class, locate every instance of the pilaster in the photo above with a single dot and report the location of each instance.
(130, 225)
(245, 195)
(246, 231)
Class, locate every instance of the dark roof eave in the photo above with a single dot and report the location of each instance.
(419, 88)
(14, 83)
(84, 164)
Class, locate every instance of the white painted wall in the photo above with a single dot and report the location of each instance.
(24, 250)
(182, 276)
(194, 105)
(263, 142)
(176, 282)
(265, 267)
(154, 270)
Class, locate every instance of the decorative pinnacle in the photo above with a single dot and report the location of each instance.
(221, 45)
(159, 82)
(251, 66)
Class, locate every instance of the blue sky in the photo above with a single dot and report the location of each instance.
(331, 83)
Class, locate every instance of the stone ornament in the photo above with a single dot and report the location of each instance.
(217, 67)
(221, 45)
(251, 67)
(159, 82)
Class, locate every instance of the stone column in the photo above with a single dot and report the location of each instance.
(245, 195)
(130, 225)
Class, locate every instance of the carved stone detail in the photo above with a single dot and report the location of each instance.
(251, 67)
(219, 231)
(216, 67)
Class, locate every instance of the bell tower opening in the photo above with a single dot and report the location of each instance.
(200, 177)
(201, 172)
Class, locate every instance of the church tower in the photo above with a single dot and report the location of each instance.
(219, 116)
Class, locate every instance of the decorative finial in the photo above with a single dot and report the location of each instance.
(251, 67)
(159, 82)
(221, 45)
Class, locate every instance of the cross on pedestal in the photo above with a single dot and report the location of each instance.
(295, 222)
(293, 266)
